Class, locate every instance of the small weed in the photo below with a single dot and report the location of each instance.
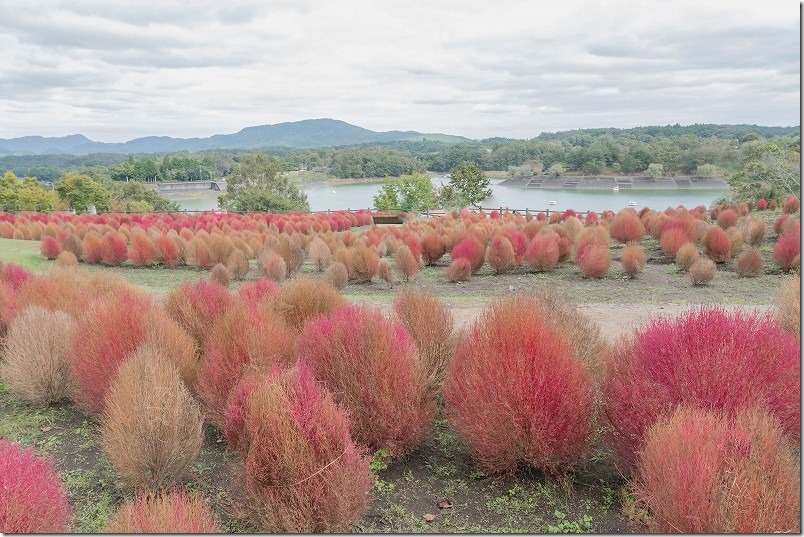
(477, 474)
(442, 471)
(516, 502)
(584, 525)
(379, 462)
(608, 498)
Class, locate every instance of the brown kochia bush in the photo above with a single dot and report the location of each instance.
(151, 427)
(305, 298)
(517, 394)
(430, 323)
(686, 256)
(788, 305)
(237, 264)
(749, 263)
(702, 271)
(302, 472)
(293, 254)
(633, 259)
(459, 270)
(36, 367)
(196, 306)
(703, 471)
(336, 275)
(174, 511)
(221, 274)
(385, 272)
(406, 262)
(66, 259)
(365, 263)
(501, 256)
(319, 253)
(272, 265)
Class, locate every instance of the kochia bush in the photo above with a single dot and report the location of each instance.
(626, 227)
(32, 498)
(372, 367)
(471, 250)
(516, 393)
(174, 511)
(688, 360)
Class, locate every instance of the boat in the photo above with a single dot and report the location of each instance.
(615, 189)
(552, 202)
(632, 203)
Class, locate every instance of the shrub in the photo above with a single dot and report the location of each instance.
(291, 253)
(302, 471)
(167, 336)
(36, 367)
(385, 273)
(365, 263)
(49, 247)
(702, 271)
(459, 270)
(501, 256)
(336, 275)
(72, 243)
(542, 253)
(92, 247)
(762, 204)
(33, 498)
(687, 359)
(749, 263)
(705, 472)
(244, 339)
(406, 263)
(626, 227)
(260, 290)
(727, 218)
(790, 205)
(787, 250)
(593, 261)
(515, 392)
(272, 265)
(633, 260)
(757, 230)
(306, 298)
(106, 335)
(471, 250)
(221, 274)
(152, 427)
(319, 253)
(220, 248)
(237, 264)
(115, 249)
(168, 250)
(788, 305)
(672, 239)
(716, 245)
(174, 511)
(686, 256)
(372, 367)
(14, 275)
(433, 248)
(196, 306)
(430, 323)
(197, 253)
(66, 259)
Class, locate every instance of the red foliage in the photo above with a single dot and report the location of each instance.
(515, 392)
(471, 250)
(14, 275)
(689, 359)
(633, 259)
(33, 499)
(49, 247)
(142, 250)
(762, 204)
(672, 239)
(197, 305)
(92, 247)
(626, 227)
(749, 263)
(243, 340)
(258, 290)
(433, 248)
(371, 365)
(543, 252)
(302, 471)
(168, 250)
(790, 205)
(501, 255)
(787, 250)
(459, 270)
(716, 245)
(107, 334)
(115, 250)
(705, 472)
(727, 218)
(170, 512)
(593, 261)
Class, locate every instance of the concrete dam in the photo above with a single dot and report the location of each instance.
(185, 186)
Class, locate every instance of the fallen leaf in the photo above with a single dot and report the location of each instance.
(46, 429)
(429, 517)
(444, 503)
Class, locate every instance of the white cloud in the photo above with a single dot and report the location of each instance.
(119, 70)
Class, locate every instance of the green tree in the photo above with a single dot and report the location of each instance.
(408, 193)
(655, 171)
(80, 191)
(706, 170)
(556, 170)
(468, 185)
(25, 195)
(139, 198)
(768, 171)
(259, 180)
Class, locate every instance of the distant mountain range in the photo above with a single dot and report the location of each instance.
(297, 134)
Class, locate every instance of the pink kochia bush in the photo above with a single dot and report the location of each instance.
(302, 471)
(371, 365)
(471, 250)
(516, 394)
(705, 472)
(32, 499)
(174, 511)
(707, 357)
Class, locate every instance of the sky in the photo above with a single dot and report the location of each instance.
(118, 70)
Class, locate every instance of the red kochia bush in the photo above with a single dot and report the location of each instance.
(705, 472)
(49, 247)
(633, 259)
(716, 245)
(372, 367)
(516, 393)
(433, 248)
(626, 227)
(197, 305)
(593, 260)
(471, 250)
(107, 334)
(459, 270)
(762, 204)
(790, 205)
(787, 250)
(32, 499)
(14, 275)
(543, 253)
(302, 471)
(175, 511)
(706, 357)
(672, 239)
(727, 218)
(115, 250)
(501, 255)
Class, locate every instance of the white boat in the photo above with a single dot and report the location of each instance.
(552, 202)
(632, 203)
(615, 189)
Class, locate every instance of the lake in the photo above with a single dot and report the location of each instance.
(359, 196)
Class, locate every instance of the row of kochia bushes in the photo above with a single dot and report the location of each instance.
(701, 411)
(698, 240)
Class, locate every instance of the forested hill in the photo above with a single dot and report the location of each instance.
(299, 134)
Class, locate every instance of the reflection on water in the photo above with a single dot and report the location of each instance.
(360, 196)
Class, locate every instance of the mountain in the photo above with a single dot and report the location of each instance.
(297, 134)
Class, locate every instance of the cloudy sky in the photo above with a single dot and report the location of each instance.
(115, 70)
